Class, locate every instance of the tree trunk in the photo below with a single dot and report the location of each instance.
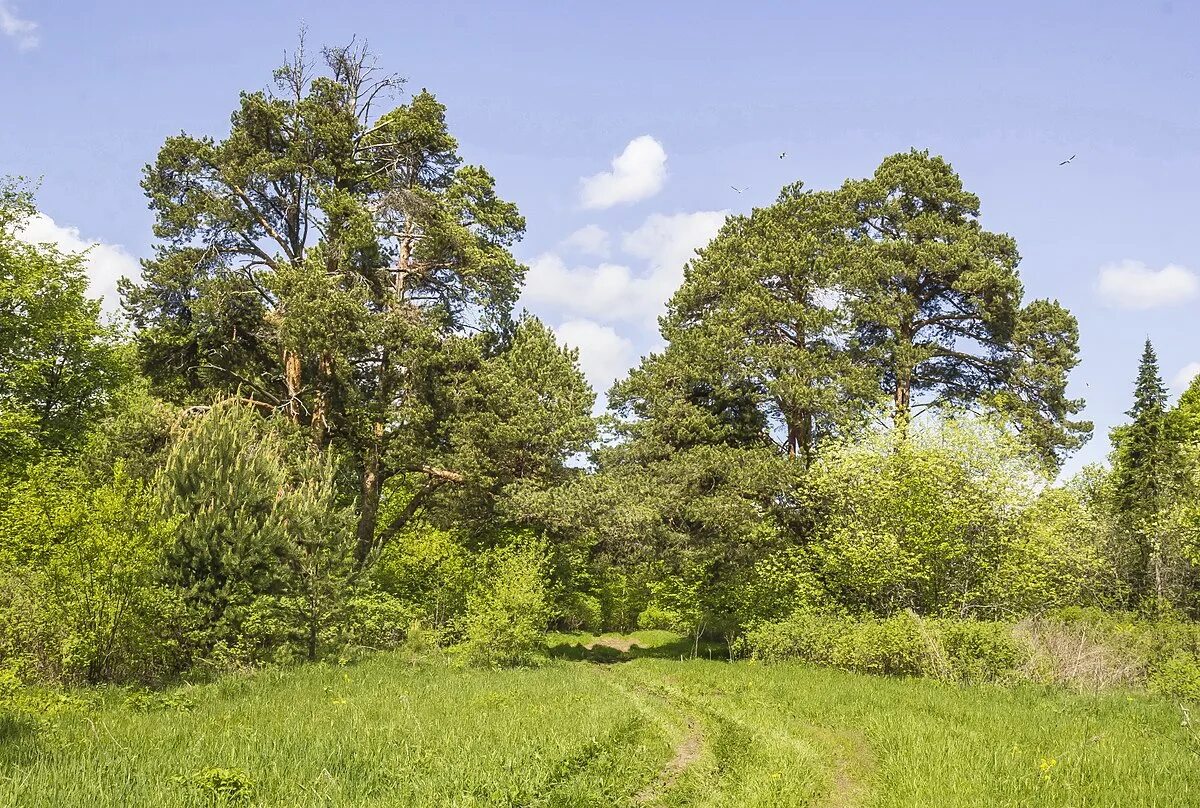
(320, 417)
(370, 491)
(291, 381)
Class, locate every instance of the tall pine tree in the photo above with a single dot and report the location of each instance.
(1140, 469)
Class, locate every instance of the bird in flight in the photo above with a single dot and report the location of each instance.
(1069, 159)
(782, 155)
(739, 190)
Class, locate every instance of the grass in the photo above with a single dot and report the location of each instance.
(652, 731)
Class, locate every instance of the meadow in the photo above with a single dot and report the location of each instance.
(399, 729)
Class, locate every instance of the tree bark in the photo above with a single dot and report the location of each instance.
(320, 417)
(291, 382)
(370, 491)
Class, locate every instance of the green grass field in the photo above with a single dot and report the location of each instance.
(650, 731)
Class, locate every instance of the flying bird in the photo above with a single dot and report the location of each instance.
(782, 155)
(739, 190)
(1069, 159)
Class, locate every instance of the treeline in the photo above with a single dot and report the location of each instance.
(319, 426)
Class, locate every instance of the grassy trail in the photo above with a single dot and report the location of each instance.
(651, 732)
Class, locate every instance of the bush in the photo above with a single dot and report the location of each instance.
(977, 650)
(79, 599)
(805, 636)
(506, 615)
(655, 617)
(583, 611)
(895, 646)
(427, 569)
(379, 621)
(1177, 678)
(901, 645)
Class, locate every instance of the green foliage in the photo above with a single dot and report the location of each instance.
(919, 521)
(583, 612)
(59, 366)
(657, 618)
(979, 651)
(507, 612)
(262, 556)
(1177, 678)
(429, 571)
(903, 645)
(1056, 556)
(219, 786)
(378, 621)
(79, 593)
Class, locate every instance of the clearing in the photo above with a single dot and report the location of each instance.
(652, 730)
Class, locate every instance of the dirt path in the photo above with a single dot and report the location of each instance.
(622, 644)
(668, 713)
(687, 752)
(844, 752)
(851, 758)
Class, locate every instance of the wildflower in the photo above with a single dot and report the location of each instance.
(1047, 764)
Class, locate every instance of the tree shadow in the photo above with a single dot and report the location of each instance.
(18, 741)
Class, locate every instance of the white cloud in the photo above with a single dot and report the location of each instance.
(604, 355)
(589, 240)
(23, 32)
(670, 241)
(1184, 377)
(105, 264)
(606, 292)
(1133, 285)
(637, 173)
(610, 292)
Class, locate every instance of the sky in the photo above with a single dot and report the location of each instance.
(621, 130)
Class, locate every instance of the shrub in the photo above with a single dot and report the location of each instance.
(426, 568)
(1177, 678)
(583, 611)
(506, 615)
(978, 650)
(79, 599)
(379, 621)
(901, 645)
(805, 636)
(656, 617)
(894, 646)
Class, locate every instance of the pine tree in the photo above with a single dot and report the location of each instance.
(221, 481)
(1141, 468)
(263, 556)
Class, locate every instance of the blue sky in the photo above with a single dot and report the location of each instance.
(708, 94)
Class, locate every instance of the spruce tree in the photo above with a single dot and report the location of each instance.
(1140, 469)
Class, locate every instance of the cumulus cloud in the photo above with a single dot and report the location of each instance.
(1133, 285)
(607, 291)
(611, 292)
(1184, 377)
(105, 264)
(604, 355)
(637, 173)
(589, 240)
(668, 242)
(22, 32)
